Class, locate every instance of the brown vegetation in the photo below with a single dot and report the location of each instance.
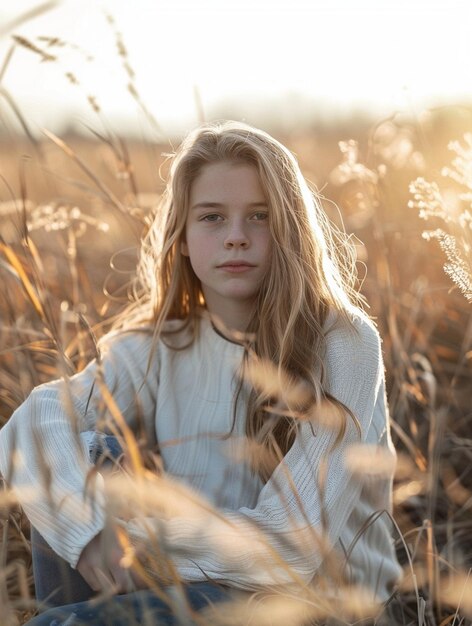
(70, 205)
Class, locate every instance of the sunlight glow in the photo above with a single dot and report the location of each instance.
(334, 56)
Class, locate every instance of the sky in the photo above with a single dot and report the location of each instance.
(279, 59)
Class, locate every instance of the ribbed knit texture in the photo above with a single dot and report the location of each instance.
(186, 400)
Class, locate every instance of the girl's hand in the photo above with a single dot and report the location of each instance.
(101, 565)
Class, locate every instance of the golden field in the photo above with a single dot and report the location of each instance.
(72, 212)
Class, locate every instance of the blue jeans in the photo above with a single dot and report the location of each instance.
(69, 599)
(140, 607)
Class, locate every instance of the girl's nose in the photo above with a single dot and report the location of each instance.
(236, 237)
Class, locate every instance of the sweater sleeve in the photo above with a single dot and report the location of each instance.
(44, 447)
(294, 515)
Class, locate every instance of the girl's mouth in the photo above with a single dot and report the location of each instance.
(233, 268)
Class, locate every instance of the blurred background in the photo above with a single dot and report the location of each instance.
(275, 63)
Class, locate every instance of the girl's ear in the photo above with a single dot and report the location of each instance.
(184, 248)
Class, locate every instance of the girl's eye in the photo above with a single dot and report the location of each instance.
(212, 217)
(260, 216)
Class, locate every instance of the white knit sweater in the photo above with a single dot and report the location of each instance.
(186, 400)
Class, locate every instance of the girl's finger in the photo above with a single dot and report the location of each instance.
(90, 578)
(122, 578)
(105, 580)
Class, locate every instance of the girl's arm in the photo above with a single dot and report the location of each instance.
(44, 447)
(305, 506)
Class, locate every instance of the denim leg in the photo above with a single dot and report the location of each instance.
(106, 452)
(56, 583)
(141, 607)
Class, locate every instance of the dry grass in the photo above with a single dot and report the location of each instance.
(72, 204)
(54, 263)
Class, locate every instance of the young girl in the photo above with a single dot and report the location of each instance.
(246, 356)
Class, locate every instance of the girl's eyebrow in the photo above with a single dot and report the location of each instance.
(220, 205)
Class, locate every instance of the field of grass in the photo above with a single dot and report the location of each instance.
(72, 211)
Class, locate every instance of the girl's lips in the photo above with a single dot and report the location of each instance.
(243, 267)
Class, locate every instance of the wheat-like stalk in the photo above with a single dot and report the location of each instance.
(454, 234)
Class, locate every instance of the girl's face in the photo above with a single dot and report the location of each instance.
(227, 238)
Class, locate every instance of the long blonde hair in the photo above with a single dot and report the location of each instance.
(312, 268)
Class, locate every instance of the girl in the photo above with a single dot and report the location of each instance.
(246, 356)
